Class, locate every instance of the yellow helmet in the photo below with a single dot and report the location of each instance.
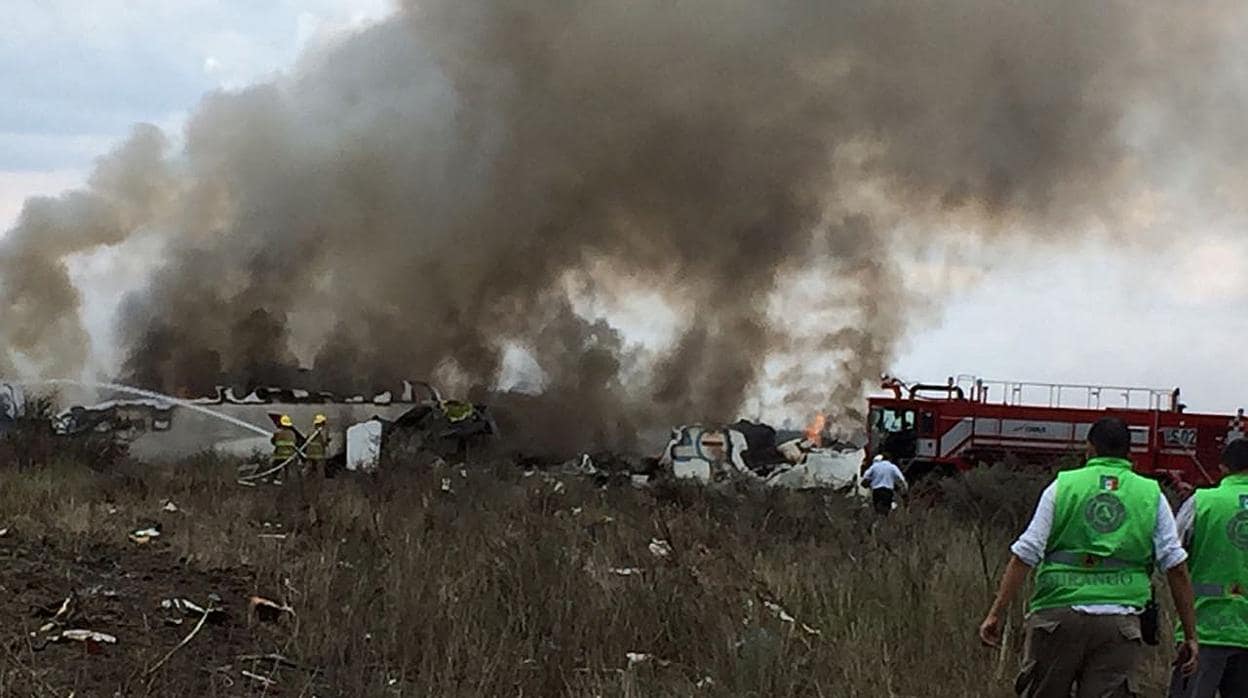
(318, 420)
(286, 421)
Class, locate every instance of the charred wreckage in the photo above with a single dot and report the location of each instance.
(366, 431)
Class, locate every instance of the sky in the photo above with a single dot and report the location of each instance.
(1111, 309)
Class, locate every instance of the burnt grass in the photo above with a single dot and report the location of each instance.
(509, 585)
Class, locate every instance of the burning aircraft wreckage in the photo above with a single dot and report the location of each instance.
(365, 430)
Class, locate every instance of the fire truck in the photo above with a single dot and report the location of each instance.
(969, 421)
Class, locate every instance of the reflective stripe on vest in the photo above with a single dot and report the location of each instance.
(1100, 547)
(314, 449)
(1205, 590)
(1087, 561)
(284, 445)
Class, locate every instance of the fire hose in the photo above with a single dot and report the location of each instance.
(299, 452)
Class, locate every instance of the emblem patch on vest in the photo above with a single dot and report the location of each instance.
(1105, 513)
(1237, 530)
(1109, 483)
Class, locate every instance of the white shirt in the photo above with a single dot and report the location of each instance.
(1032, 545)
(884, 474)
(1185, 520)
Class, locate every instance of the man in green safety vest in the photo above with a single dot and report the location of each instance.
(1213, 524)
(1093, 541)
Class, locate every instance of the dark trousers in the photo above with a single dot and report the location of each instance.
(1063, 648)
(1223, 669)
(882, 500)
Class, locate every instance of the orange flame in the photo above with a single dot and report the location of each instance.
(814, 430)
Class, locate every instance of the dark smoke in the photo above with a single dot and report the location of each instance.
(425, 193)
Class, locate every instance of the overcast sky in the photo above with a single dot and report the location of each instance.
(78, 74)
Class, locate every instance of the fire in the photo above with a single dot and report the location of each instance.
(814, 430)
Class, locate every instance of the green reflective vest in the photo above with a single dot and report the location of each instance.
(315, 448)
(1219, 563)
(284, 445)
(1100, 548)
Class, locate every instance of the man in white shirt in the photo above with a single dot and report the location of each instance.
(883, 478)
(1095, 536)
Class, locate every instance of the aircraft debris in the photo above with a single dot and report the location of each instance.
(264, 680)
(87, 636)
(626, 571)
(169, 506)
(786, 617)
(268, 611)
(635, 658)
(660, 548)
(186, 607)
(748, 451)
(143, 536)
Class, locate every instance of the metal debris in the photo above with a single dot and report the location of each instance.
(87, 636)
(635, 658)
(268, 611)
(170, 507)
(626, 571)
(268, 683)
(4, 532)
(786, 617)
(660, 548)
(144, 535)
(705, 682)
(187, 607)
(446, 485)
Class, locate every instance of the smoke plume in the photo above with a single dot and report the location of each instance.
(429, 192)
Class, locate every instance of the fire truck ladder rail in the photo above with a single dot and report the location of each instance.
(1019, 393)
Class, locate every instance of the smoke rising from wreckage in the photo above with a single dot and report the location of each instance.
(467, 176)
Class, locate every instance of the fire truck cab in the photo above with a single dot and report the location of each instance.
(969, 421)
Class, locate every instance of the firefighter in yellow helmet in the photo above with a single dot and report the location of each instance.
(314, 450)
(316, 447)
(285, 443)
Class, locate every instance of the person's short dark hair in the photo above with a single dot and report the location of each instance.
(1111, 437)
(1235, 456)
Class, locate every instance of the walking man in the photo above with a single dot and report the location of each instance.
(1096, 534)
(883, 478)
(1213, 524)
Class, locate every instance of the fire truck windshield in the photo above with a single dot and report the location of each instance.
(893, 432)
(891, 421)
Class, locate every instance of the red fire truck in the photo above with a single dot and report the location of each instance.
(968, 421)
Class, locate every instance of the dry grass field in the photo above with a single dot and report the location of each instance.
(508, 585)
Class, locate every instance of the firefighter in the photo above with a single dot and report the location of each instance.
(314, 451)
(1213, 524)
(285, 443)
(315, 447)
(1094, 537)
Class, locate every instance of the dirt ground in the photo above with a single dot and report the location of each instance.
(117, 589)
